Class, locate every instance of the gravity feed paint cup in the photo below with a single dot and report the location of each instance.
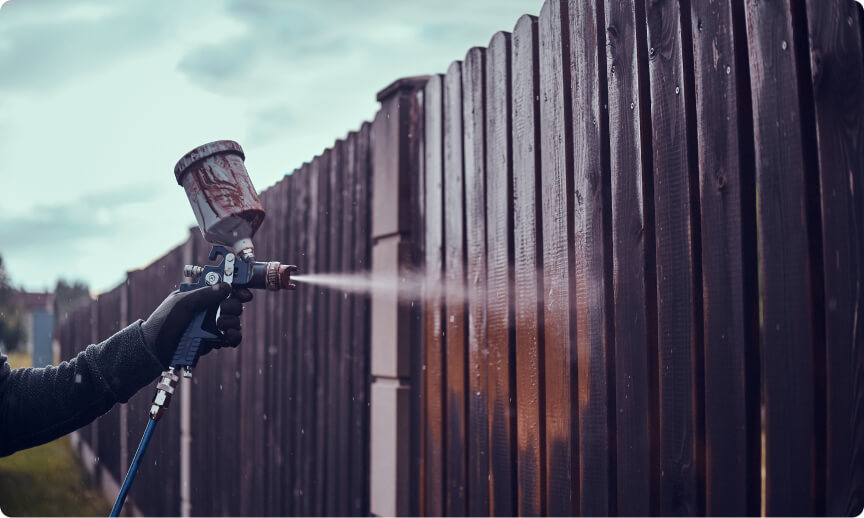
(223, 198)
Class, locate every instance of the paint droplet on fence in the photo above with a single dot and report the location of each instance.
(677, 90)
(784, 45)
(651, 52)
(77, 378)
(699, 26)
(728, 70)
(632, 105)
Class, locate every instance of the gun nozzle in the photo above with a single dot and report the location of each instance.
(285, 276)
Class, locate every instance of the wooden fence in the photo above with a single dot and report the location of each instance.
(655, 208)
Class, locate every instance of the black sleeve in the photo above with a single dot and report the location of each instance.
(40, 405)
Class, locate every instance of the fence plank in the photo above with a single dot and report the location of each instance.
(361, 330)
(528, 265)
(473, 108)
(454, 274)
(434, 449)
(593, 259)
(633, 258)
(499, 275)
(784, 262)
(837, 73)
(677, 231)
(556, 164)
(729, 272)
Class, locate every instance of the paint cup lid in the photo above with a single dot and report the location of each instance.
(202, 152)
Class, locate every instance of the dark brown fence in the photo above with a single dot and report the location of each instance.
(655, 208)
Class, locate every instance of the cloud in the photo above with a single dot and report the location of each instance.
(47, 43)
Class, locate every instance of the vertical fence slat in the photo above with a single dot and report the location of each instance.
(289, 359)
(593, 259)
(454, 274)
(434, 449)
(556, 164)
(784, 264)
(499, 274)
(528, 261)
(837, 74)
(473, 108)
(679, 309)
(633, 259)
(729, 276)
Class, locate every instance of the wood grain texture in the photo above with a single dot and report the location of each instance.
(499, 275)
(729, 271)
(787, 312)
(433, 318)
(528, 265)
(455, 307)
(633, 258)
(360, 378)
(556, 173)
(679, 279)
(289, 358)
(593, 259)
(474, 145)
(837, 74)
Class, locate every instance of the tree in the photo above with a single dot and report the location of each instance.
(11, 328)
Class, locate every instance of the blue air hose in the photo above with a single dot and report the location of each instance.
(133, 468)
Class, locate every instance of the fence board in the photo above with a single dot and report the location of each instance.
(837, 73)
(499, 275)
(729, 274)
(556, 165)
(455, 306)
(434, 448)
(784, 264)
(633, 258)
(473, 109)
(593, 259)
(322, 349)
(677, 232)
(528, 265)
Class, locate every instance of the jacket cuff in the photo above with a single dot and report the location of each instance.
(125, 363)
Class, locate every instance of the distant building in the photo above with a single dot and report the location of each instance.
(38, 322)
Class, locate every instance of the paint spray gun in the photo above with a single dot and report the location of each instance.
(229, 213)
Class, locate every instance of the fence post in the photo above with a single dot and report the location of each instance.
(396, 237)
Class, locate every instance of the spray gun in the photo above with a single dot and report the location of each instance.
(229, 213)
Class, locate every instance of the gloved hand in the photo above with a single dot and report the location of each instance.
(164, 328)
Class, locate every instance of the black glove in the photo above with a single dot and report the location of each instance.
(164, 328)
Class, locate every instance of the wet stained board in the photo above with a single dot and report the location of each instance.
(454, 275)
(785, 265)
(729, 271)
(434, 448)
(361, 333)
(679, 279)
(556, 162)
(322, 350)
(473, 108)
(528, 261)
(633, 258)
(499, 274)
(837, 78)
(593, 259)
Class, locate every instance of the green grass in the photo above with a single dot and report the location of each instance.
(47, 480)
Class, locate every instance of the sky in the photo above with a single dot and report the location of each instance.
(100, 98)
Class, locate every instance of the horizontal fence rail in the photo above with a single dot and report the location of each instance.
(640, 228)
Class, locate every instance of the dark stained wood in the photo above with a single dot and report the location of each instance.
(288, 346)
(361, 330)
(331, 425)
(592, 211)
(729, 271)
(633, 258)
(473, 108)
(528, 265)
(679, 279)
(433, 319)
(457, 429)
(556, 172)
(323, 351)
(787, 311)
(499, 278)
(837, 74)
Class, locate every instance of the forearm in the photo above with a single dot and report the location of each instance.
(39, 405)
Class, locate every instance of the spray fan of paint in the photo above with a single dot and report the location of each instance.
(409, 285)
